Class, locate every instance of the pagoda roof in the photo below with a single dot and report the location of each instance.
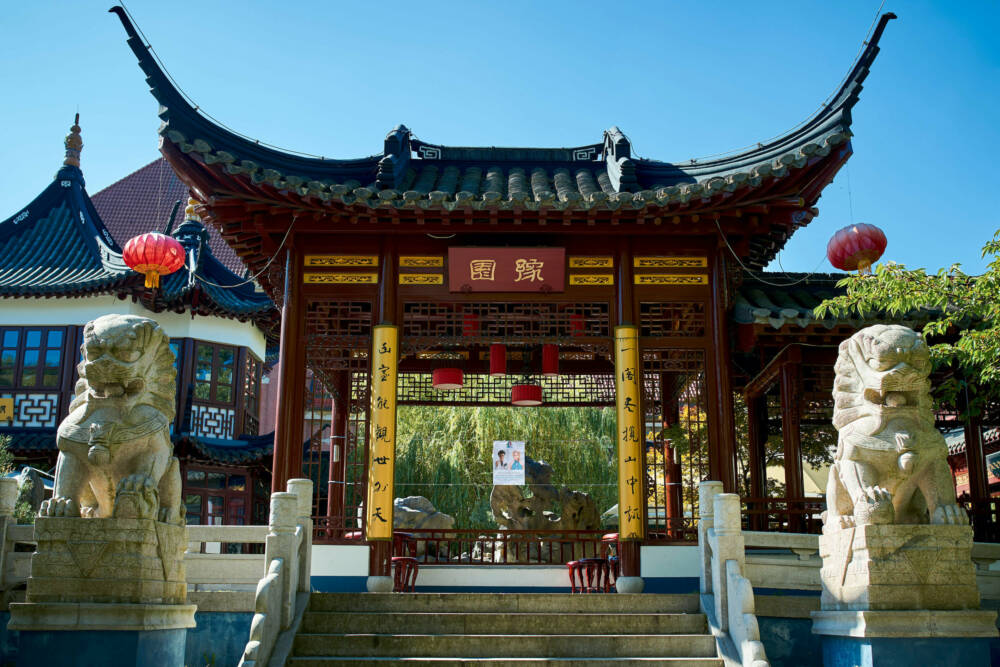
(413, 180)
(58, 245)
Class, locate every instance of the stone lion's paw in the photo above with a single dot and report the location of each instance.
(59, 506)
(170, 515)
(136, 498)
(874, 507)
(950, 514)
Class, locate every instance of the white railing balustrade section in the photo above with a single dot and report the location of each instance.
(726, 594)
(283, 592)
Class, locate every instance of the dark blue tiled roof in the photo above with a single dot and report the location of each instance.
(57, 245)
(248, 449)
(27, 441)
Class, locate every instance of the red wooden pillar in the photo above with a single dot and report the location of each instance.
(721, 424)
(380, 560)
(340, 412)
(791, 383)
(628, 551)
(757, 436)
(291, 378)
(672, 477)
(978, 480)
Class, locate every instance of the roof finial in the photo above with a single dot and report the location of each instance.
(189, 211)
(74, 144)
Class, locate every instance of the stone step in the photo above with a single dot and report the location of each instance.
(489, 623)
(327, 661)
(563, 603)
(505, 646)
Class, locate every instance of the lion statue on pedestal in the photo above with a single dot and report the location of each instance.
(115, 454)
(888, 449)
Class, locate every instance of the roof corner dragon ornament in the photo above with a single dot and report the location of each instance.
(891, 464)
(115, 454)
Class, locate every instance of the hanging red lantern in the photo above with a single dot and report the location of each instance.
(498, 360)
(526, 395)
(155, 255)
(576, 324)
(550, 360)
(856, 247)
(447, 379)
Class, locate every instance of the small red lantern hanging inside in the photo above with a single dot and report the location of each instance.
(498, 360)
(526, 395)
(856, 247)
(550, 360)
(447, 379)
(470, 324)
(155, 255)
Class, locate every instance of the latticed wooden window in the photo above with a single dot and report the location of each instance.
(31, 356)
(214, 373)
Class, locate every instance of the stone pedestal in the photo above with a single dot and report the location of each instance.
(105, 591)
(898, 567)
(901, 595)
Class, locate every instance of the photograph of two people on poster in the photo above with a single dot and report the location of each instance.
(508, 463)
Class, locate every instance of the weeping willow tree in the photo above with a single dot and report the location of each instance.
(445, 453)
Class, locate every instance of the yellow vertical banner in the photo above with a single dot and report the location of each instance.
(382, 432)
(631, 494)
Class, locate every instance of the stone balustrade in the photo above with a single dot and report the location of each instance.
(283, 592)
(726, 594)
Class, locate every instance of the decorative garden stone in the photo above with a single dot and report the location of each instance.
(109, 566)
(895, 542)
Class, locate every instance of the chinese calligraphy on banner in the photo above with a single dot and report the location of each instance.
(631, 493)
(382, 433)
(508, 463)
(506, 269)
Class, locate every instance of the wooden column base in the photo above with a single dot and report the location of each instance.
(628, 558)
(380, 559)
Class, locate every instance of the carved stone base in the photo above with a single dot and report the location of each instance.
(898, 567)
(139, 561)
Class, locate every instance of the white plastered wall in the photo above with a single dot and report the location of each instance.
(79, 311)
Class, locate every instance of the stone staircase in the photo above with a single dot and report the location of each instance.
(519, 629)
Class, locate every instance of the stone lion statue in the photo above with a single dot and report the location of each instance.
(115, 455)
(891, 463)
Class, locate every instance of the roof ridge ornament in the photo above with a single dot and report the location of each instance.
(74, 144)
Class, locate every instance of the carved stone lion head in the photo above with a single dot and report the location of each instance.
(882, 375)
(127, 361)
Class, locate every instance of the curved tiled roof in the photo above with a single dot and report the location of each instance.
(248, 449)
(58, 246)
(416, 176)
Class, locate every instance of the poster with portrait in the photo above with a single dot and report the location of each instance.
(508, 463)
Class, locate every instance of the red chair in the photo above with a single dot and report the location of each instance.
(589, 575)
(609, 551)
(404, 544)
(404, 574)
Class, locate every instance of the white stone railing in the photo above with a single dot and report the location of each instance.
(283, 592)
(218, 570)
(726, 594)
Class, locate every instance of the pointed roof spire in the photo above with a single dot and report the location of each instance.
(74, 144)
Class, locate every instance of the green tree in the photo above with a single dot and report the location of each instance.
(23, 512)
(962, 315)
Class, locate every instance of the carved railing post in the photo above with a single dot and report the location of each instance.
(726, 538)
(281, 543)
(8, 498)
(706, 495)
(303, 490)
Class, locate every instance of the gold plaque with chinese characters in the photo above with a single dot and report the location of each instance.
(382, 432)
(340, 278)
(631, 478)
(341, 261)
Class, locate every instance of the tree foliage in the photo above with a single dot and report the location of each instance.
(445, 453)
(962, 314)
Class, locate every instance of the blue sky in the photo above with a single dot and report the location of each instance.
(682, 80)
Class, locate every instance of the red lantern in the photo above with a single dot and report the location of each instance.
(447, 379)
(576, 324)
(526, 395)
(856, 247)
(154, 255)
(550, 360)
(498, 360)
(470, 324)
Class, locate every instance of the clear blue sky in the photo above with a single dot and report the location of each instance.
(682, 79)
